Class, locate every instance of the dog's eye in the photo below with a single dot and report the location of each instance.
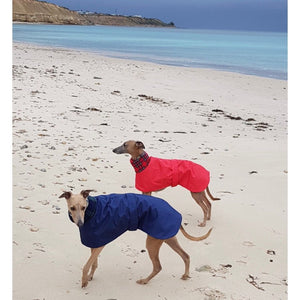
(73, 208)
(83, 208)
(125, 145)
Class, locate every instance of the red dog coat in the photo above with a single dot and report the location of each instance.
(154, 174)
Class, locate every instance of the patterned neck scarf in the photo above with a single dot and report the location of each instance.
(141, 162)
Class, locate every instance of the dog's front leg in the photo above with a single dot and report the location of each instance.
(92, 262)
(147, 193)
(93, 268)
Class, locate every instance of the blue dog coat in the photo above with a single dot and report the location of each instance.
(109, 216)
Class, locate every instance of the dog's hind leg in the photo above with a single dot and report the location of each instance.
(173, 243)
(91, 263)
(204, 204)
(153, 245)
(208, 205)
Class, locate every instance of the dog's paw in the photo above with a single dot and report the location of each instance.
(202, 224)
(185, 277)
(84, 283)
(142, 281)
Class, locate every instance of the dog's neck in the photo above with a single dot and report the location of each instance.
(141, 162)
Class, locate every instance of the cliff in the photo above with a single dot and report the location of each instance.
(34, 11)
(43, 12)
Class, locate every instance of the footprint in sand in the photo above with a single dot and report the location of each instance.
(211, 294)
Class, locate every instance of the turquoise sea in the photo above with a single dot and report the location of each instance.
(255, 53)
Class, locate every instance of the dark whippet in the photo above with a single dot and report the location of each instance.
(101, 219)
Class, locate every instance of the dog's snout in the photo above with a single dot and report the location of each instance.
(80, 223)
(119, 150)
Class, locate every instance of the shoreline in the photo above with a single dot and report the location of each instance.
(141, 60)
(71, 108)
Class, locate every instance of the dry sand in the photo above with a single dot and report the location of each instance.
(70, 109)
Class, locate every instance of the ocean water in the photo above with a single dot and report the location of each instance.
(254, 53)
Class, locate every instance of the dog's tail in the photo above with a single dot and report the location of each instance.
(193, 238)
(210, 195)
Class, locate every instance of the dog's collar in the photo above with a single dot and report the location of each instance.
(90, 209)
(140, 163)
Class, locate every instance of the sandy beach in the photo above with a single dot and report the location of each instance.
(71, 108)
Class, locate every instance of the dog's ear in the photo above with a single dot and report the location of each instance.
(139, 145)
(66, 195)
(85, 193)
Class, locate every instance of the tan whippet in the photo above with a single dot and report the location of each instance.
(103, 218)
(154, 174)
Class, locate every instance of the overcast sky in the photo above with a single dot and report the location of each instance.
(269, 15)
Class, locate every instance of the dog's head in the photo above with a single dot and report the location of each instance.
(131, 147)
(77, 205)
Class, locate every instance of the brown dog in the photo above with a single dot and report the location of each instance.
(155, 174)
(103, 218)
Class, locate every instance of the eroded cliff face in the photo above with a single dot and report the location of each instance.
(34, 11)
(43, 12)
